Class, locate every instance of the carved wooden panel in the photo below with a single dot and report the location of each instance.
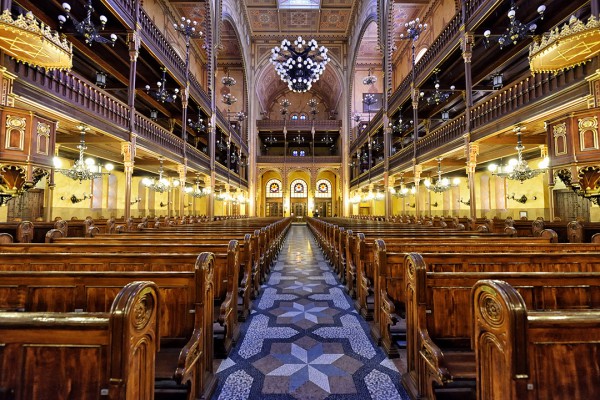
(79, 379)
(568, 206)
(51, 298)
(28, 206)
(559, 132)
(588, 133)
(15, 133)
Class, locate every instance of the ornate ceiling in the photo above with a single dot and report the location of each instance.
(330, 19)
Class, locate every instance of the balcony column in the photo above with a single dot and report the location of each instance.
(467, 41)
(389, 198)
(471, 165)
(182, 172)
(133, 39)
(595, 7)
(210, 198)
(49, 197)
(128, 153)
(212, 139)
(417, 170)
(415, 106)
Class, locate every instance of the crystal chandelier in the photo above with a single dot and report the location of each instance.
(161, 94)
(270, 140)
(517, 30)
(228, 80)
(518, 169)
(83, 170)
(369, 100)
(299, 64)
(327, 140)
(159, 185)
(89, 31)
(442, 184)
(221, 145)
(229, 99)
(298, 139)
(402, 191)
(369, 79)
(196, 191)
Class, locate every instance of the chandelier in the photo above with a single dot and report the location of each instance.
(442, 184)
(438, 96)
(369, 79)
(518, 169)
(369, 100)
(376, 144)
(229, 99)
(298, 139)
(161, 94)
(228, 80)
(221, 145)
(85, 28)
(198, 125)
(270, 140)
(517, 30)
(327, 140)
(83, 170)
(240, 116)
(402, 191)
(159, 185)
(196, 191)
(299, 64)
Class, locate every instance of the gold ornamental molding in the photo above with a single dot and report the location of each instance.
(574, 44)
(32, 42)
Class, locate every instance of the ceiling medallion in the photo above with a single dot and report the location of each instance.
(299, 64)
(567, 47)
(32, 42)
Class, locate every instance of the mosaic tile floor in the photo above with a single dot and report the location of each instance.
(304, 339)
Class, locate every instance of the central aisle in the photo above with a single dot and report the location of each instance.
(304, 339)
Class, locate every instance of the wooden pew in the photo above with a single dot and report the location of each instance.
(248, 283)
(525, 354)
(388, 261)
(438, 287)
(129, 258)
(185, 362)
(83, 355)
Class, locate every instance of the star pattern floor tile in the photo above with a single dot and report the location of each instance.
(304, 340)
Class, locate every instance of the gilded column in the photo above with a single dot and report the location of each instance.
(471, 165)
(182, 172)
(417, 170)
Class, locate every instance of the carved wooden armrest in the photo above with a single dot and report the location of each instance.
(388, 308)
(225, 309)
(188, 357)
(433, 357)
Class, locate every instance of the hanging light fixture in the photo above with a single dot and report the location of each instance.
(299, 64)
(161, 93)
(159, 185)
(270, 140)
(221, 145)
(516, 30)
(153, 115)
(518, 169)
(83, 170)
(298, 140)
(197, 191)
(228, 80)
(229, 99)
(369, 79)
(198, 125)
(439, 96)
(497, 81)
(442, 184)
(445, 115)
(101, 79)
(327, 140)
(369, 100)
(85, 28)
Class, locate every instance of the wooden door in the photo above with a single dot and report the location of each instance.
(568, 206)
(274, 210)
(28, 206)
(324, 208)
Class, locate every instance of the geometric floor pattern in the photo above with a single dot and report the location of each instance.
(304, 339)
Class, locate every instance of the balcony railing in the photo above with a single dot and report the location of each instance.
(301, 160)
(447, 133)
(299, 125)
(156, 135)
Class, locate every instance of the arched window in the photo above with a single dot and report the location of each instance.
(303, 116)
(294, 117)
(273, 189)
(298, 189)
(323, 188)
(302, 153)
(295, 153)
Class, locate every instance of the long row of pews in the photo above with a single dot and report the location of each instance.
(140, 313)
(482, 315)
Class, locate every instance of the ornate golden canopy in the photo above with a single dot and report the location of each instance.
(30, 41)
(563, 48)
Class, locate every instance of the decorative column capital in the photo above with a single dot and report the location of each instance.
(417, 170)
(128, 151)
(128, 167)
(467, 41)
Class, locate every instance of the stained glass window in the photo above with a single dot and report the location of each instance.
(298, 188)
(299, 3)
(273, 188)
(323, 188)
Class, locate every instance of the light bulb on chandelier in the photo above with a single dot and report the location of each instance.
(299, 64)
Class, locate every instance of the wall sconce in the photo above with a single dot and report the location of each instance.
(413, 205)
(523, 199)
(162, 205)
(434, 204)
(466, 203)
(153, 115)
(187, 205)
(101, 79)
(137, 200)
(74, 199)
